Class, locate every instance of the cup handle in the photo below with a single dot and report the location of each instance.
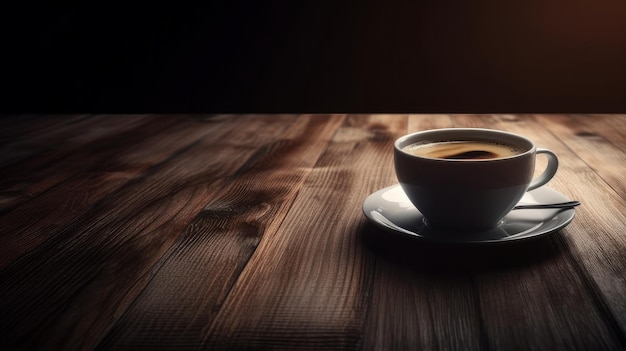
(550, 171)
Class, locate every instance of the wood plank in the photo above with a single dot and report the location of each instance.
(106, 257)
(14, 128)
(246, 231)
(90, 174)
(599, 141)
(306, 286)
(610, 126)
(52, 154)
(414, 306)
(593, 241)
(429, 297)
(419, 122)
(48, 135)
(197, 273)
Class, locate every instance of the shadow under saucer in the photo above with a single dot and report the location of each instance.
(445, 258)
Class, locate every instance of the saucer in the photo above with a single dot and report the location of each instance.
(390, 209)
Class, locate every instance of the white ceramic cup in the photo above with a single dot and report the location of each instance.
(468, 194)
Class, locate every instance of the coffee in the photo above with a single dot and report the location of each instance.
(462, 150)
(467, 179)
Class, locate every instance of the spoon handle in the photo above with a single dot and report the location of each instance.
(568, 204)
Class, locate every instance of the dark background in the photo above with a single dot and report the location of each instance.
(316, 56)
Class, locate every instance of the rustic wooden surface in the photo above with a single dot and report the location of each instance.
(246, 232)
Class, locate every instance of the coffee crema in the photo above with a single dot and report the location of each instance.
(462, 150)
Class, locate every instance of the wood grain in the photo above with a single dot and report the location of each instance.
(597, 140)
(599, 243)
(41, 156)
(69, 188)
(246, 232)
(306, 285)
(114, 247)
(208, 257)
(475, 306)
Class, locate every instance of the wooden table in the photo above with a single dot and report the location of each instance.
(246, 232)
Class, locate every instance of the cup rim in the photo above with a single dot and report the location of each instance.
(406, 137)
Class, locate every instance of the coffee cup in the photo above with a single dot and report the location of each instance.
(468, 178)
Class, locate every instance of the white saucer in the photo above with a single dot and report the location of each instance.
(390, 209)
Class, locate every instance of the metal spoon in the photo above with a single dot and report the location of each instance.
(568, 204)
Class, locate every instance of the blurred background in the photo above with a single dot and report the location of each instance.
(316, 56)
